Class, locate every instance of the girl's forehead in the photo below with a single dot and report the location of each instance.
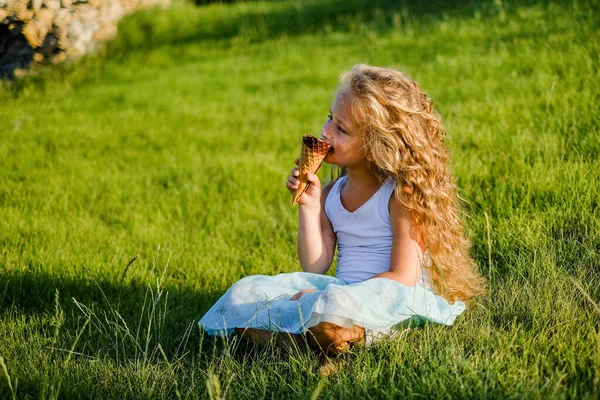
(344, 101)
(346, 107)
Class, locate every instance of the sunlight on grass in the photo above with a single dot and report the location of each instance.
(180, 135)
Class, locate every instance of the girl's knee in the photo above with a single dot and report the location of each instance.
(243, 288)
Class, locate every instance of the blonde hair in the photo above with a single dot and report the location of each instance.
(404, 141)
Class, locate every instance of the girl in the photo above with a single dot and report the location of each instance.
(393, 215)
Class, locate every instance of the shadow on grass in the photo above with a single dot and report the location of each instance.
(165, 348)
(168, 315)
(241, 24)
(252, 23)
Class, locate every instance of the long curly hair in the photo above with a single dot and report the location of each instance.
(404, 140)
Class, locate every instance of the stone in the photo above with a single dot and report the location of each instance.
(25, 15)
(105, 33)
(52, 4)
(61, 28)
(60, 57)
(35, 5)
(20, 72)
(35, 31)
(14, 6)
(81, 30)
(19, 10)
(111, 11)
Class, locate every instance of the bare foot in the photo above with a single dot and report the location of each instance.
(328, 367)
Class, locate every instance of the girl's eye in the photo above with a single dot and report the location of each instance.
(339, 128)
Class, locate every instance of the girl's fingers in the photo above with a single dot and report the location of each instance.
(297, 295)
(291, 186)
(295, 172)
(301, 293)
(313, 179)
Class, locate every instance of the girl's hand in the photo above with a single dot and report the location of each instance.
(312, 195)
(300, 294)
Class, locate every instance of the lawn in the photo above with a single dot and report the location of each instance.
(138, 184)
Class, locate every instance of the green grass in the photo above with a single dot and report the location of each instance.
(180, 135)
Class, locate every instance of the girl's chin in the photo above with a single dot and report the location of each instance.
(331, 162)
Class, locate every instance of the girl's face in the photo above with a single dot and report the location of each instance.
(342, 133)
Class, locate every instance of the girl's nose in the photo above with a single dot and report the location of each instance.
(324, 133)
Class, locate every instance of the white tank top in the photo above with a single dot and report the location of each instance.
(365, 235)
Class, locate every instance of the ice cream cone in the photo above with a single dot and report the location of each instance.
(311, 156)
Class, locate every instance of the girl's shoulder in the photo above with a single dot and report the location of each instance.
(326, 189)
(329, 186)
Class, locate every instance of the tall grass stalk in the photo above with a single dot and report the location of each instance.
(13, 391)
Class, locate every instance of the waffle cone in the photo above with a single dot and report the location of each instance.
(311, 156)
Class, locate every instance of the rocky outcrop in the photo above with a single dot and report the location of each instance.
(49, 31)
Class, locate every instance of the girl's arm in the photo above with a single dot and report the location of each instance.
(407, 247)
(316, 239)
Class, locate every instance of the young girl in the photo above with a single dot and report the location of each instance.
(393, 215)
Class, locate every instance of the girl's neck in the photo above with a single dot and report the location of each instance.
(361, 185)
(361, 178)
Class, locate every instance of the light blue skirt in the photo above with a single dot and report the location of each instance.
(378, 305)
